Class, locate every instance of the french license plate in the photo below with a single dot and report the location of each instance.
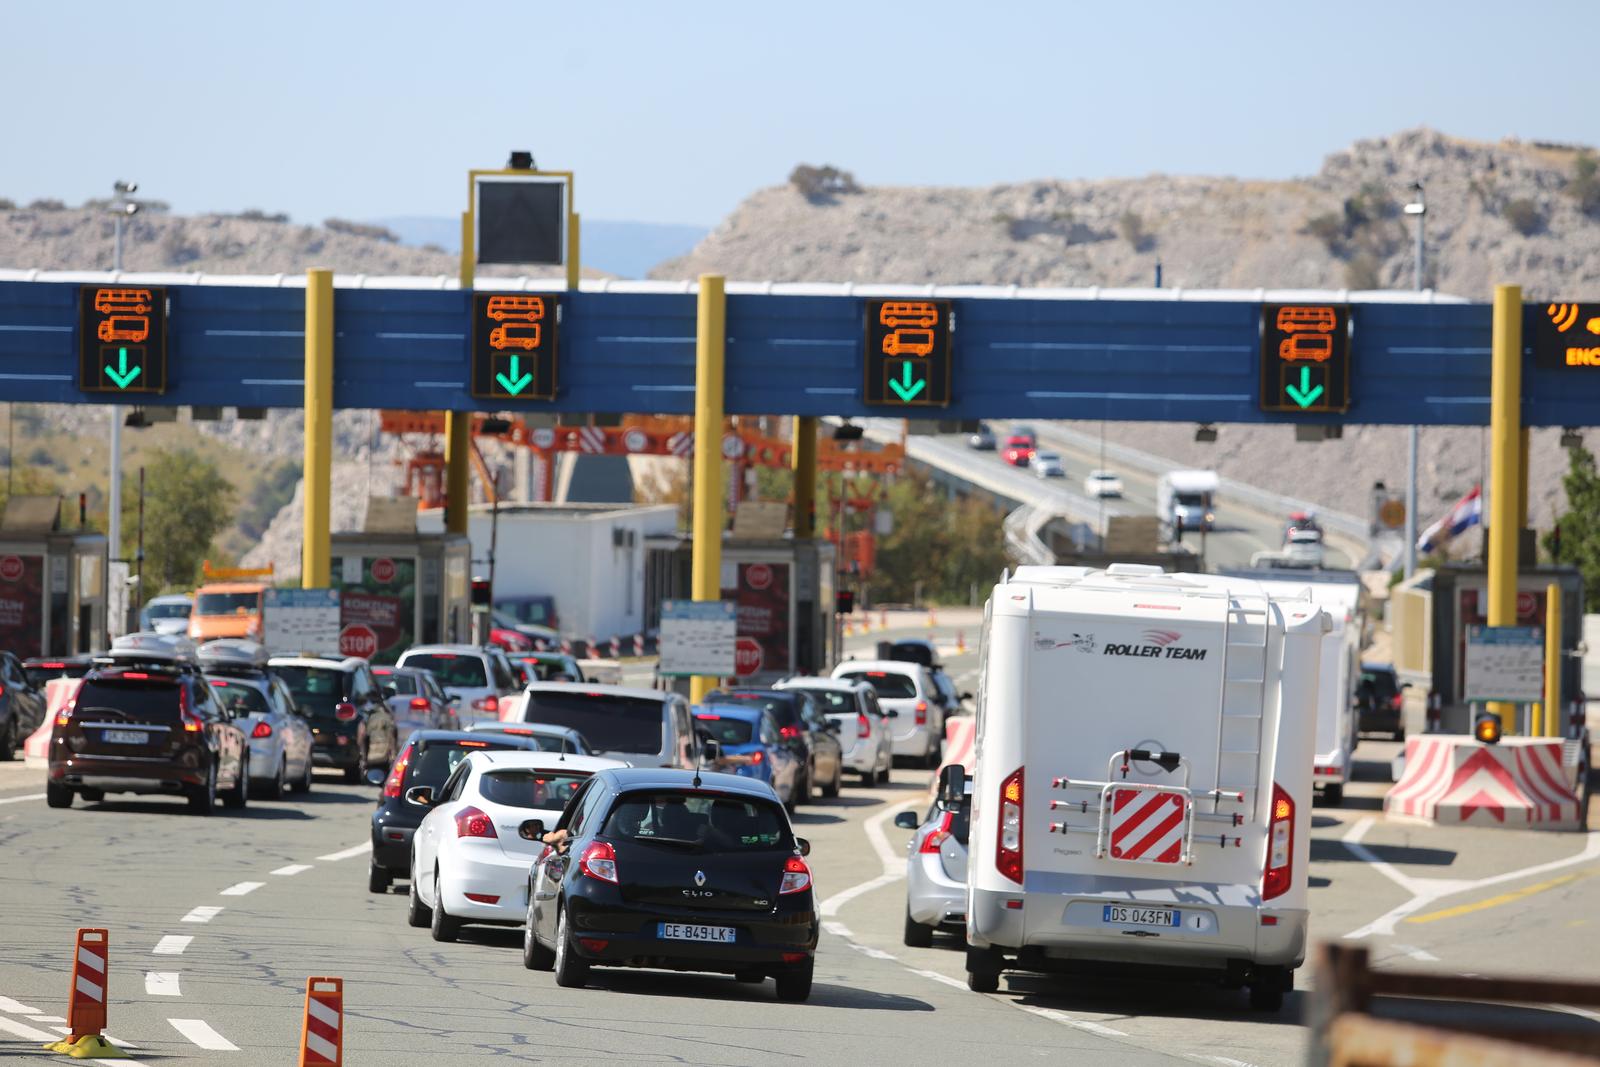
(123, 737)
(694, 932)
(1124, 915)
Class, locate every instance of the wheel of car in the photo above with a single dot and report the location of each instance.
(305, 777)
(931, 760)
(8, 740)
(378, 879)
(794, 985)
(571, 971)
(417, 913)
(58, 796)
(203, 801)
(983, 971)
(358, 772)
(239, 795)
(917, 935)
(1398, 735)
(444, 926)
(279, 785)
(535, 956)
(1333, 794)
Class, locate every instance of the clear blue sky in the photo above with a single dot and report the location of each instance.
(673, 112)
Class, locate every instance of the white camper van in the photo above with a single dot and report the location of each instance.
(1187, 501)
(1142, 788)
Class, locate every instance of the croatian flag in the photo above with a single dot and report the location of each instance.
(1467, 512)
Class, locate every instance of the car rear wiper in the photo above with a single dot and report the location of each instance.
(672, 841)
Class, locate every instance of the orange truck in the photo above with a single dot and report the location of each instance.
(227, 609)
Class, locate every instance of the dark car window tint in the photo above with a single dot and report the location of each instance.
(153, 701)
(530, 789)
(834, 701)
(783, 707)
(317, 689)
(463, 672)
(887, 684)
(717, 823)
(239, 697)
(553, 668)
(403, 684)
(434, 761)
(726, 731)
(611, 723)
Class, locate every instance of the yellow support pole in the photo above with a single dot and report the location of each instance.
(706, 565)
(573, 261)
(317, 535)
(1552, 661)
(457, 450)
(804, 464)
(1522, 480)
(1505, 468)
(469, 250)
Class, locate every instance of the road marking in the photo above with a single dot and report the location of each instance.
(875, 953)
(837, 929)
(944, 979)
(16, 1008)
(200, 1033)
(893, 865)
(1493, 902)
(1421, 955)
(202, 915)
(161, 984)
(27, 1033)
(1067, 1020)
(292, 869)
(110, 1039)
(47, 1019)
(172, 945)
(19, 800)
(1225, 1061)
(241, 889)
(334, 857)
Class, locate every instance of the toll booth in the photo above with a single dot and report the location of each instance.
(784, 592)
(399, 589)
(52, 582)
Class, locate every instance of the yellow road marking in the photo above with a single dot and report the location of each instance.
(1492, 902)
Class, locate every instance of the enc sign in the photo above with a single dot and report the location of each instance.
(1305, 358)
(122, 339)
(1563, 335)
(514, 346)
(908, 359)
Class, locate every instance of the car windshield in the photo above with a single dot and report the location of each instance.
(403, 684)
(712, 822)
(433, 761)
(889, 685)
(225, 604)
(1102, 476)
(153, 700)
(1191, 500)
(452, 670)
(1047, 457)
(316, 689)
(726, 731)
(1382, 683)
(169, 611)
(549, 790)
(241, 698)
(611, 723)
(783, 707)
(834, 701)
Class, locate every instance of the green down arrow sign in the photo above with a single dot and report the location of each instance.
(121, 375)
(906, 389)
(1305, 395)
(518, 381)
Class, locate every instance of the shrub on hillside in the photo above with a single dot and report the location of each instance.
(362, 229)
(1131, 226)
(1524, 216)
(1584, 186)
(822, 184)
(48, 204)
(255, 214)
(7, 204)
(1327, 228)
(1362, 272)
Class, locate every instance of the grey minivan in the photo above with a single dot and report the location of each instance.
(644, 727)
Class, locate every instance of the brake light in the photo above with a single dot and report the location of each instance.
(140, 675)
(391, 785)
(517, 731)
(191, 722)
(419, 703)
(922, 713)
(796, 876)
(706, 715)
(482, 898)
(1008, 845)
(489, 703)
(470, 822)
(863, 724)
(757, 756)
(344, 711)
(789, 731)
(599, 861)
(218, 683)
(1396, 701)
(1279, 874)
(64, 716)
(444, 655)
(263, 729)
(931, 843)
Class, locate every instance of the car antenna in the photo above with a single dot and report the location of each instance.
(699, 757)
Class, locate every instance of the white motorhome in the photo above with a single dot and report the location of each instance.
(1142, 787)
(1187, 500)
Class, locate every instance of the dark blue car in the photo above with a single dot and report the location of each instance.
(752, 747)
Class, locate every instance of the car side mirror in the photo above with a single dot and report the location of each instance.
(453, 698)
(952, 784)
(376, 777)
(831, 727)
(420, 795)
(966, 696)
(1405, 685)
(803, 845)
(531, 830)
(710, 749)
(389, 691)
(906, 820)
(891, 714)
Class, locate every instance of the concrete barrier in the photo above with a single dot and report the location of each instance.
(57, 693)
(1520, 783)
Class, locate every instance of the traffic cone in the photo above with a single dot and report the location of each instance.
(883, 619)
(86, 1010)
(322, 1033)
(961, 641)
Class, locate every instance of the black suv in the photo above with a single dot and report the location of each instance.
(352, 727)
(144, 721)
(803, 728)
(21, 705)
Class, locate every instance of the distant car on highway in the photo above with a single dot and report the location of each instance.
(352, 728)
(471, 856)
(863, 725)
(677, 870)
(166, 614)
(478, 677)
(1018, 451)
(227, 609)
(1026, 432)
(936, 869)
(417, 700)
(751, 748)
(278, 735)
(982, 439)
(22, 705)
(1047, 465)
(1380, 701)
(1101, 484)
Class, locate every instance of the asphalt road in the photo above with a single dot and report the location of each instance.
(287, 882)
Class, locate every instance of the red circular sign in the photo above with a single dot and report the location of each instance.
(758, 576)
(11, 568)
(746, 656)
(382, 571)
(358, 640)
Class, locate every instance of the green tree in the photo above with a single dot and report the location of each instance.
(187, 503)
(944, 544)
(1576, 538)
(26, 480)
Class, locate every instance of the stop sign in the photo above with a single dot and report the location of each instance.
(746, 656)
(11, 568)
(358, 640)
(382, 571)
(1527, 604)
(758, 576)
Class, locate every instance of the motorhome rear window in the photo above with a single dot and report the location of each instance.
(889, 685)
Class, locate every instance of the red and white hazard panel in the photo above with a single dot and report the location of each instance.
(1149, 825)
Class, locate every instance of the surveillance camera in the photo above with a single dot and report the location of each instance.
(130, 209)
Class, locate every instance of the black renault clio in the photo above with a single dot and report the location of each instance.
(666, 869)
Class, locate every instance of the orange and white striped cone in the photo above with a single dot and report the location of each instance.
(86, 1008)
(961, 641)
(322, 1033)
(883, 619)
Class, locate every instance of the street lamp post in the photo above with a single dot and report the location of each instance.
(121, 208)
(1419, 208)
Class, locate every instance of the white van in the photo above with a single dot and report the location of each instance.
(1142, 785)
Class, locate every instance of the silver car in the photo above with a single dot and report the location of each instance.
(864, 738)
(936, 869)
(278, 735)
(417, 700)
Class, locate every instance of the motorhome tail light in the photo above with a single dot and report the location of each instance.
(1279, 874)
(599, 861)
(192, 723)
(419, 703)
(938, 835)
(263, 729)
(488, 703)
(344, 711)
(922, 713)
(397, 773)
(796, 876)
(1008, 844)
(470, 822)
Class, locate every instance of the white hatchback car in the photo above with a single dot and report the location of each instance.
(907, 689)
(469, 858)
(479, 677)
(1101, 484)
(864, 736)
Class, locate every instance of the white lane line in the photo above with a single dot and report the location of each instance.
(200, 1033)
(47, 1019)
(172, 945)
(875, 953)
(1224, 1060)
(161, 984)
(16, 1008)
(27, 1033)
(334, 857)
(837, 929)
(20, 800)
(292, 869)
(202, 915)
(1067, 1020)
(894, 867)
(1421, 955)
(241, 889)
(944, 979)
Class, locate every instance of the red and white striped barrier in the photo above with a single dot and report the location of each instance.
(1453, 780)
(638, 644)
(58, 693)
(322, 1035)
(960, 731)
(86, 1006)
